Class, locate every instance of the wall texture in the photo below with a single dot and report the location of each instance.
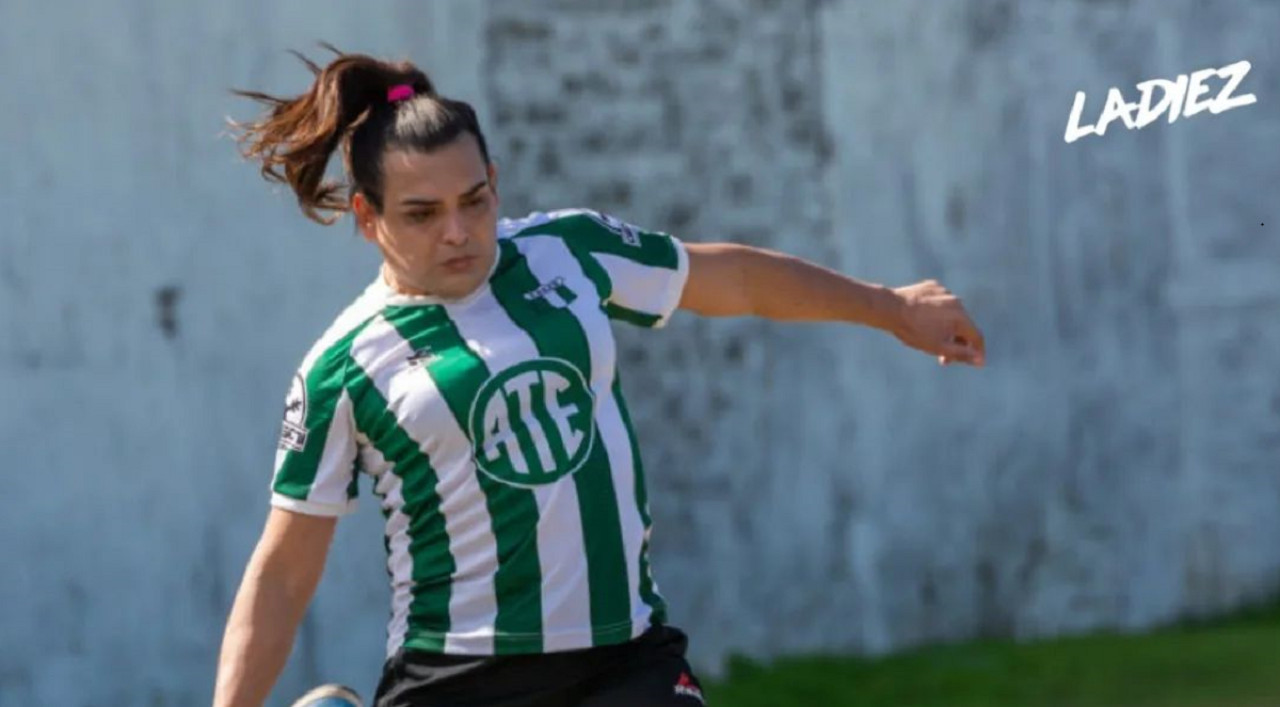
(1117, 464)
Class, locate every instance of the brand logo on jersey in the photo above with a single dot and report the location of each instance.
(421, 355)
(555, 293)
(623, 230)
(293, 435)
(533, 423)
(686, 687)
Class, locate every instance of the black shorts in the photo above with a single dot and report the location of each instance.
(649, 671)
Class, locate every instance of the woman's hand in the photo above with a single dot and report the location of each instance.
(934, 321)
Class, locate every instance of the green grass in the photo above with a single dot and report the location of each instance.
(1234, 662)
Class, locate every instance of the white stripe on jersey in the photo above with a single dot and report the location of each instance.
(334, 474)
(399, 561)
(388, 486)
(561, 548)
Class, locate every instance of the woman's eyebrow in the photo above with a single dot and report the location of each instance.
(419, 201)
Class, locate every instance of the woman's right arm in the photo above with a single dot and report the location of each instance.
(278, 584)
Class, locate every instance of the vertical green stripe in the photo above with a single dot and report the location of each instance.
(558, 334)
(585, 233)
(594, 270)
(459, 374)
(433, 565)
(647, 591)
(598, 276)
(323, 385)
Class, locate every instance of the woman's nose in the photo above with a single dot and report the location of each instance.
(455, 233)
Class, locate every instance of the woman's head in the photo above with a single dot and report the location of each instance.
(419, 180)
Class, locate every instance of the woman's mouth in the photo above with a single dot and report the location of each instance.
(459, 264)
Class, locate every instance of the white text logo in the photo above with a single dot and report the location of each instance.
(1184, 97)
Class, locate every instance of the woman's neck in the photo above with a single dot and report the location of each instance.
(400, 288)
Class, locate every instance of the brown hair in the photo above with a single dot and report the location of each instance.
(348, 107)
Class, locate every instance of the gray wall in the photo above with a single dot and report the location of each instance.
(1117, 464)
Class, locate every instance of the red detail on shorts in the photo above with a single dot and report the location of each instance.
(686, 687)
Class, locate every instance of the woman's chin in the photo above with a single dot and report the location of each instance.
(457, 285)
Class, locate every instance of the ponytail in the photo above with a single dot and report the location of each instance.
(357, 103)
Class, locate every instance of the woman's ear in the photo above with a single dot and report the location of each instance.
(366, 217)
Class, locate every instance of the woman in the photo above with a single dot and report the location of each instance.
(474, 381)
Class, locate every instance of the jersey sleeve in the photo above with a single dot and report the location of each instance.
(316, 463)
(643, 272)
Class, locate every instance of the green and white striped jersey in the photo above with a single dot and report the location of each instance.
(496, 436)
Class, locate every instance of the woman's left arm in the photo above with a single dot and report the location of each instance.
(730, 280)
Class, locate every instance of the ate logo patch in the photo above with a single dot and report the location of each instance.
(293, 434)
(534, 423)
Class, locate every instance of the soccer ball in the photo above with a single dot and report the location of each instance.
(329, 696)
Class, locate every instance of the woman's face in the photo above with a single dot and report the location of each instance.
(438, 226)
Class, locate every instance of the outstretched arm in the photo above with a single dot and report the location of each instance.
(729, 280)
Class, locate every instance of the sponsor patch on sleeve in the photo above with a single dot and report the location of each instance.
(293, 433)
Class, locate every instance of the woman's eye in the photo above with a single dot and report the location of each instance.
(417, 216)
(475, 203)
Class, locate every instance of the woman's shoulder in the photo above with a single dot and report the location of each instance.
(349, 322)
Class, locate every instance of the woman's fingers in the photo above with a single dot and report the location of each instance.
(959, 351)
(971, 336)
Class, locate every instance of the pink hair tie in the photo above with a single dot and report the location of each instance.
(399, 93)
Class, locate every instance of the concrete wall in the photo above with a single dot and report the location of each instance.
(1117, 464)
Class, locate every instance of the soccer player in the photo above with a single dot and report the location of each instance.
(475, 383)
